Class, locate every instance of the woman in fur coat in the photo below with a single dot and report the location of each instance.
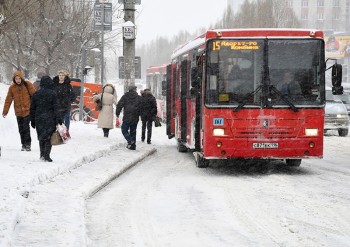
(105, 117)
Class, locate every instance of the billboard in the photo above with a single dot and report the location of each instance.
(337, 46)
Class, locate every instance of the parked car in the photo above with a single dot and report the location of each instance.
(336, 115)
(346, 101)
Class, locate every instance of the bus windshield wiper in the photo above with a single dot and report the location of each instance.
(247, 97)
(270, 88)
(283, 97)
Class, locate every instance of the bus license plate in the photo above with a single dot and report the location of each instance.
(265, 145)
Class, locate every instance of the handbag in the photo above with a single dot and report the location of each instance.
(157, 122)
(64, 133)
(56, 138)
(99, 104)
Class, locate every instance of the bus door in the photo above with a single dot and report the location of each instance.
(183, 101)
(170, 99)
(192, 105)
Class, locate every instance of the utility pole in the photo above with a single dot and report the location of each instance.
(129, 45)
(102, 43)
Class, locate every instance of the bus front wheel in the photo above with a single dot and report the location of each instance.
(293, 162)
(201, 162)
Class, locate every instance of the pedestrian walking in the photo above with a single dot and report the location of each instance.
(108, 97)
(148, 113)
(44, 115)
(20, 93)
(131, 104)
(36, 84)
(65, 95)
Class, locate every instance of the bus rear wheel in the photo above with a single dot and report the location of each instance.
(293, 162)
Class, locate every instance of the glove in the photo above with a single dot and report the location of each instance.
(32, 123)
(117, 122)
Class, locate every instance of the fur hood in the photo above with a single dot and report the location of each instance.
(19, 74)
(108, 88)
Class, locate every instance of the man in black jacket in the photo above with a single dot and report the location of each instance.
(148, 113)
(131, 102)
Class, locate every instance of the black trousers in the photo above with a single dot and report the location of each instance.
(105, 132)
(24, 130)
(148, 124)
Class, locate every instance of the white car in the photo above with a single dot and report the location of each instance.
(336, 115)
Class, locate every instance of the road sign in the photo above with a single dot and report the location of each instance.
(137, 63)
(129, 1)
(106, 25)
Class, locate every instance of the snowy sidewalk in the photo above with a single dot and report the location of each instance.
(47, 224)
(24, 175)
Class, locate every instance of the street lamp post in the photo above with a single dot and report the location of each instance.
(85, 69)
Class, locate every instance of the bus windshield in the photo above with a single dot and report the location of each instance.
(265, 73)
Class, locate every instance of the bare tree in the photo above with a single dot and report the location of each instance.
(49, 35)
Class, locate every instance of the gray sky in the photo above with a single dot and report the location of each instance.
(167, 18)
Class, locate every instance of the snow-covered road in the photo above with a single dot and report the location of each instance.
(167, 201)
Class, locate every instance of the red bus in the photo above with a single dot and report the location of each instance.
(155, 76)
(225, 97)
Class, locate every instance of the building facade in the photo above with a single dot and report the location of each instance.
(323, 14)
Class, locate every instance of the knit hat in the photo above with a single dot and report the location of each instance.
(132, 88)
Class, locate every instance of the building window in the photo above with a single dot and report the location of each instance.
(320, 16)
(336, 15)
(290, 3)
(336, 3)
(304, 3)
(320, 3)
(304, 16)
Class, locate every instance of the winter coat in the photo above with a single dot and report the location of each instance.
(65, 95)
(43, 109)
(105, 117)
(132, 104)
(20, 95)
(149, 106)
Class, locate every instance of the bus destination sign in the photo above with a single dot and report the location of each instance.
(235, 45)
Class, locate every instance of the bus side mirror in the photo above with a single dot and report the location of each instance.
(163, 88)
(337, 74)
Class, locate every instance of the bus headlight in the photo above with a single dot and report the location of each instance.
(311, 132)
(218, 132)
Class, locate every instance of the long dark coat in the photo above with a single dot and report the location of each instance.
(132, 104)
(149, 106)
(65, 95)
(43, 109)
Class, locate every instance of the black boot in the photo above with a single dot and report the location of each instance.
(48, 147)
(42, 149)
(105, 132)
